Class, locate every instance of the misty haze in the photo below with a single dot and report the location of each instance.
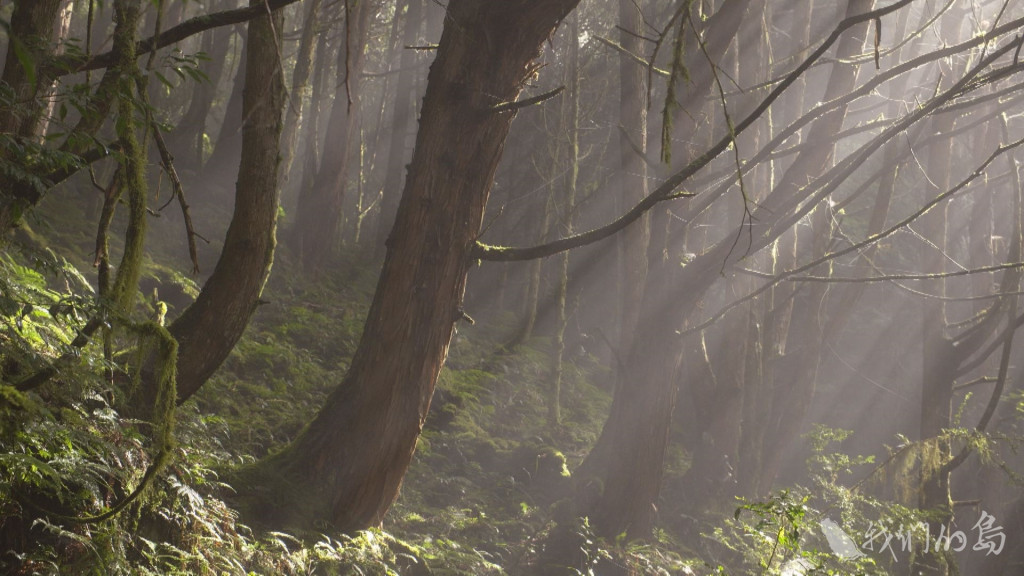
(512, 287)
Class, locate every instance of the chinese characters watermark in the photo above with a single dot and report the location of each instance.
(883, 537)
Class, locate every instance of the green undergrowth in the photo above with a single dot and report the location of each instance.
(487, 488)
(488, 492)
(478, 498)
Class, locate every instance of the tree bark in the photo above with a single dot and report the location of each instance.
(571, 126)
(320, 210)
(61, 31)
(210, 327)
(188, 135)
(347, 465)
(404, 112)
(632, 169)
(32, 30)
(620, 478)
(300, 91)
(227, 149)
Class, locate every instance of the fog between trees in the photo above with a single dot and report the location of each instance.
(688, 250)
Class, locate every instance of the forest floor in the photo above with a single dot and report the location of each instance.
(489, 488)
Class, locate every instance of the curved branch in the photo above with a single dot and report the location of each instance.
(667, 190)
(71, 63)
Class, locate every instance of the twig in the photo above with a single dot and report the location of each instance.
(520, 104)
(167, 160)
(748, 216)
(890, 277)
(622, 50)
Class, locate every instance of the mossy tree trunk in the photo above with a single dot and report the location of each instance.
(31, 42)
(210, 327)
(347, 466)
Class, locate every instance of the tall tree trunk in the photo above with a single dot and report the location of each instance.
(401, 118)
(320, 211)
(190, 133)
(632, 169)
(227, 148)
(300, 90)
(348, 464)
(62, 29)
(571, 127)
(32, 27)
(311, 127)
(210, 327)
(620, 478)
(774, 438)
(797, 374)
(940, 359)
(531, 300)
(640, 416)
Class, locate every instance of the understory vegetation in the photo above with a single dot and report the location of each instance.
(511, 287)
(488, 493)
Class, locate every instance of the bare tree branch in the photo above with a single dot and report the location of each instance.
(71, 63)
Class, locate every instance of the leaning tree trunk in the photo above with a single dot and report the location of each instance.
(211, 326)
(348, 464)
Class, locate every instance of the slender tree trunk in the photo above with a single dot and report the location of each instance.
(32, 27)
(190, 133)
(210, 327)
(940, 359)
(531, 301)
(300, 91)
(402, 116)
(571, 124)
(619, 481)
(311, 127)
(348, 465)
(125, 286)
(632, 176)
(63, 28)
(227, 148)
(319, 216)
(640, 417)
(772, 439)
